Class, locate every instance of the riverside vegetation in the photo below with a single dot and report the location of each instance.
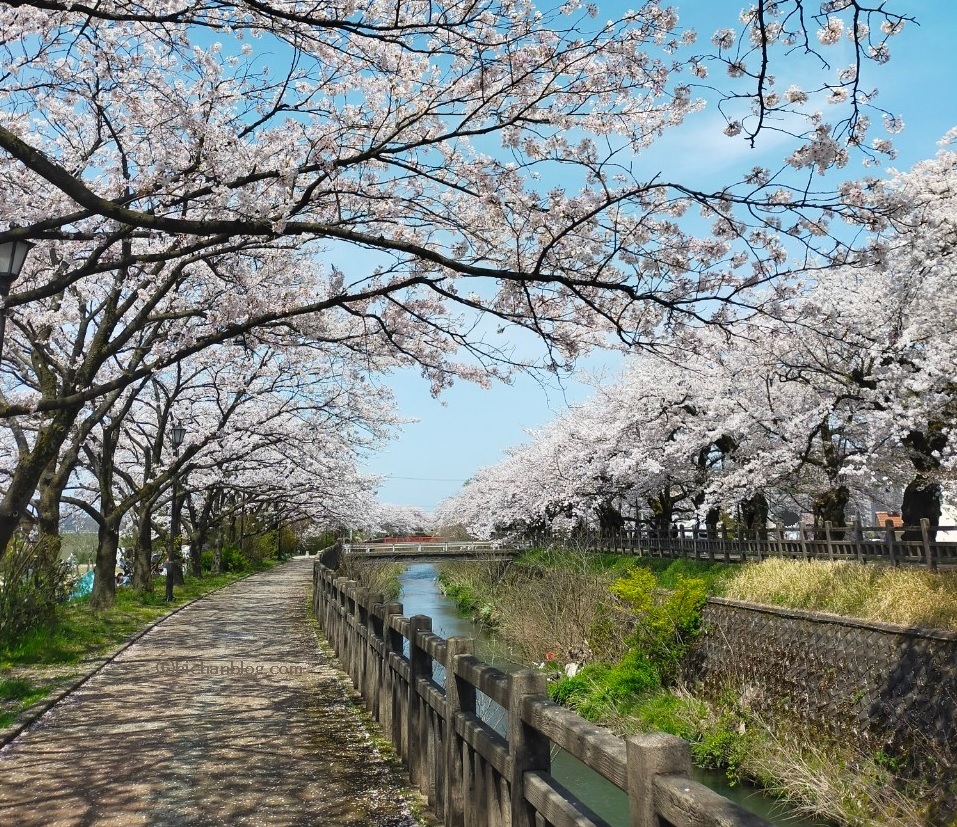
(629, 623)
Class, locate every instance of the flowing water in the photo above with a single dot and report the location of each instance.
(421, 596)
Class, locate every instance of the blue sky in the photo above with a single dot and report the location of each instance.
(469, 427)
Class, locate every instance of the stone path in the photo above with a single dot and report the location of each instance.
(227, 713)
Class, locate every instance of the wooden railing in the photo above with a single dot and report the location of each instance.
(862, 544)
(473, 775)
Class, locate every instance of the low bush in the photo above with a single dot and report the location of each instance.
(33, 582)
(666, 621)
(233, 560)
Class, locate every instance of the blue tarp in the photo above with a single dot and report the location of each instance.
(83, 587)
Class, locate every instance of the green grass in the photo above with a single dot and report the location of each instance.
(907, 596)
(16, 694)
(575, 560)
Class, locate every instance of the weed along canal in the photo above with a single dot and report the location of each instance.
(421, 596)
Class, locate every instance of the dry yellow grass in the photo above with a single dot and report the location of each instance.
(905, 596)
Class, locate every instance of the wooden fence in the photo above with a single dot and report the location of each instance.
(472, 775)
(862, 544)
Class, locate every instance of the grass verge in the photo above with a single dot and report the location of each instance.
(905, 596)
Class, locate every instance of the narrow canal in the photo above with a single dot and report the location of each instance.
(421, 595)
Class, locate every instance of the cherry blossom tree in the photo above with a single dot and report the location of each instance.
(845, 390)
(198, 168)
(269, 425)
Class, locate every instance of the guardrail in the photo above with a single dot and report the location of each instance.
(470, 773)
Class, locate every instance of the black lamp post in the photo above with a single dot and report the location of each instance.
(12, 256)
(177, 435)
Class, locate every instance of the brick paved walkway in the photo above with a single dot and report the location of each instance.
(248, 725)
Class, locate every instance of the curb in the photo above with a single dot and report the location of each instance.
(29, 716)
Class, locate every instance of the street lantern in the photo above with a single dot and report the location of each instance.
(177, 433)
(12, 256)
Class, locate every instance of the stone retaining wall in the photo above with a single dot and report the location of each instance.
(887, 687)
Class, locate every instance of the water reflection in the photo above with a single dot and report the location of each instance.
(421, 595)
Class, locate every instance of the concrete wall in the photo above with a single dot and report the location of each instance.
(886, 687)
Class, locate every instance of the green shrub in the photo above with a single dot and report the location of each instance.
(666, 621)
(33, 582)
(234, 560)
(723, 748)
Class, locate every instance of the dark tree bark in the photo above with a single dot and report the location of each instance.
(143, 553)
(610, 520)
(30, 468)
(923, 496)
(662, 510)
(104, 579)
(922, 500)
(831, 506)
(754, 514)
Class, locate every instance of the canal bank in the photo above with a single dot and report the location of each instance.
(421, 595)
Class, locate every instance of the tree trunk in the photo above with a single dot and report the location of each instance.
(754, 514)
(831, 506)
(218, 552)
(662, 509)
(26, 476)
(922, 497)
(610, 520)
(197, 541)
(104, 580)
(48, 511)
(922, 500)
(711, 520)
(143, 554)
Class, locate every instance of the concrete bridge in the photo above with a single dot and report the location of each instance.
(431, 552)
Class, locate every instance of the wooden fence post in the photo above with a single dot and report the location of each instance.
(420, 666)
(651, 755)
(925, 536)
(527, 748)
(830, 542)
(373, 657)
(891, 545)
(459, 697)
(857, 537)
(389, 716)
